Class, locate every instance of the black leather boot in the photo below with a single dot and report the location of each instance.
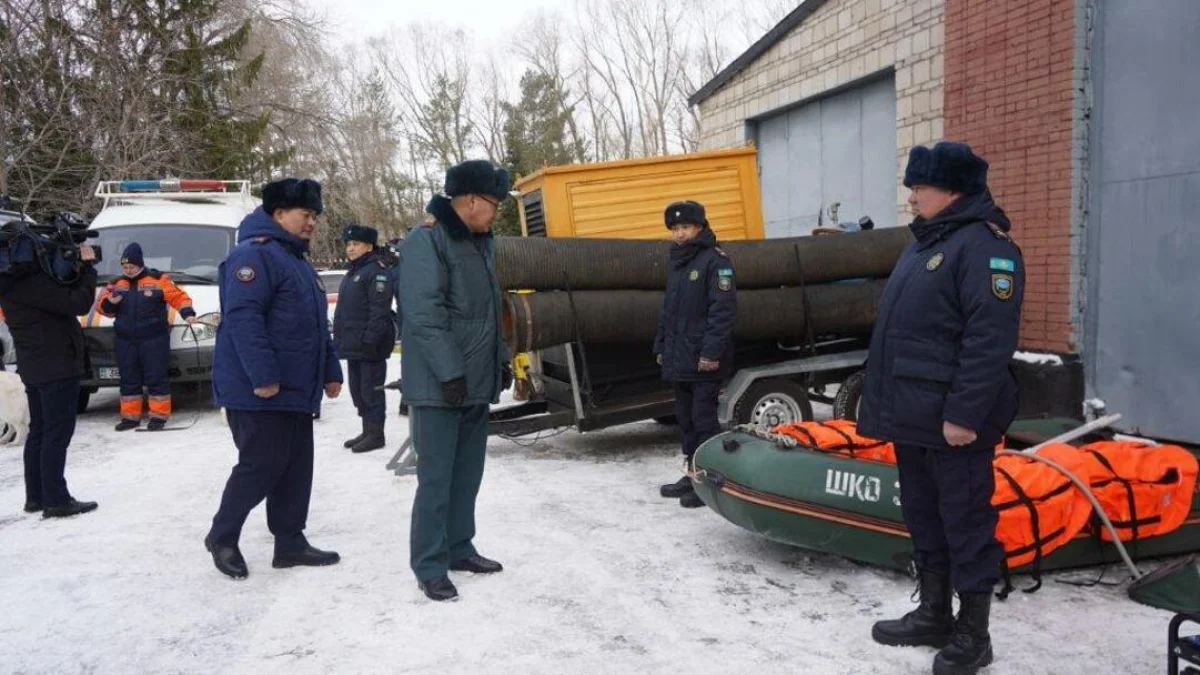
(477, 564)
(970, 646)
(929, 625)
(372, 438)
(227, 559)
(126, 425)
(439, 589)
(308, 556)
(677, 489)
(73, 507)
(351, 442)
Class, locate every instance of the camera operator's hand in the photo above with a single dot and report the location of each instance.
(269, 391)
(87, 253)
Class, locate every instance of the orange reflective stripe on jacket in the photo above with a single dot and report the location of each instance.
(1145, 490)
(173, 295)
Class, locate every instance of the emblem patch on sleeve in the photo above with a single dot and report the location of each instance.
(1002, 286)
(693, 275)
(725, 284)
(935, 261)
(245, 274)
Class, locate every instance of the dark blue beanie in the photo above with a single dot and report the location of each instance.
(133, 255)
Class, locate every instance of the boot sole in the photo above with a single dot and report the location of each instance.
(283, 565)
(47, 513)
(358, 451)
(942, 668)
(935, 640)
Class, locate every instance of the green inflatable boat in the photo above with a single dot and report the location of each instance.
(851, 507)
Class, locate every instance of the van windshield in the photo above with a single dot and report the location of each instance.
(191, 253)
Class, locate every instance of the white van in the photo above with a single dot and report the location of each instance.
(186, 228)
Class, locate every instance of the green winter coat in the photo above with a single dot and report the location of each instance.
(451, 303)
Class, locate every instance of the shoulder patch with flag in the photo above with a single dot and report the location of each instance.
(1003, 265)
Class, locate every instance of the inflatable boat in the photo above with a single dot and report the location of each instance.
(822, 487)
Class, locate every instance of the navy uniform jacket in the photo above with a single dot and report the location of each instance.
(946, 331)
(363, 324)
(698, 312)
(274, 325)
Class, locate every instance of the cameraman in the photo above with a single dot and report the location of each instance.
(42, 315)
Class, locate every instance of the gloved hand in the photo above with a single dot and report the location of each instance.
(455, 391)
(506, 377)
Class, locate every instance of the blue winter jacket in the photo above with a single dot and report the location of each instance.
(273, 323)
(946, 331)
(699, 312)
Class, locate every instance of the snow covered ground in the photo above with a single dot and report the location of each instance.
(602, 575)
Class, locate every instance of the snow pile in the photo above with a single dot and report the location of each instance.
(602, 576)
(1038, 358)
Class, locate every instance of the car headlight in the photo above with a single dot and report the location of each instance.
(204, 329)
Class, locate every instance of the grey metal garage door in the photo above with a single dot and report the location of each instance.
(841, 148)
(1143, 233)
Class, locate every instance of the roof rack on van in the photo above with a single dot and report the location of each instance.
(195, 190)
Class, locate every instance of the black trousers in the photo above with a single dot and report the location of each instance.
(52, 409)
(275, 462)
(946, 498)
(696, 411)
(366, 378)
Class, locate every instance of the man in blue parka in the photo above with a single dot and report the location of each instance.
(274, 360)
(694, 344)
(455, 363)
(939, 386)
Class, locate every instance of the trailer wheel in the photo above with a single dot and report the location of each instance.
(770, 403)
(849, 397)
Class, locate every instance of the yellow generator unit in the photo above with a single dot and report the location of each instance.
(625, 199)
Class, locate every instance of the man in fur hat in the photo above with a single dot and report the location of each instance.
(938, 385)
(455, 363)
(364, 331)
(274, 360)
(694, 343)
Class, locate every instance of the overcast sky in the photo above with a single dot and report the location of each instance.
(491, 21)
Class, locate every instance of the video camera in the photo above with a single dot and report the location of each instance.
(52, 246)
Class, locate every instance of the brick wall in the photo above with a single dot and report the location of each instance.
(841, 42)
(1009, 93)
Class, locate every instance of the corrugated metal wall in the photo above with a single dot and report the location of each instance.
(1143, 232)
(631, 207)
(841, 148)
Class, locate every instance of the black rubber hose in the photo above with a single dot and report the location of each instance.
(535, 263)
(540, 320)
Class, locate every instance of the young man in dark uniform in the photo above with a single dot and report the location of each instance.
(939, 386)
(364, 331)
(694, 344)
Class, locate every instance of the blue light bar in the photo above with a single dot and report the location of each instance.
(141, 185)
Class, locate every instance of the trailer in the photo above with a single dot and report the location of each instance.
(595, 386)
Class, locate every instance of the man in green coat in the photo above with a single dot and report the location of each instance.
(455, 363)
